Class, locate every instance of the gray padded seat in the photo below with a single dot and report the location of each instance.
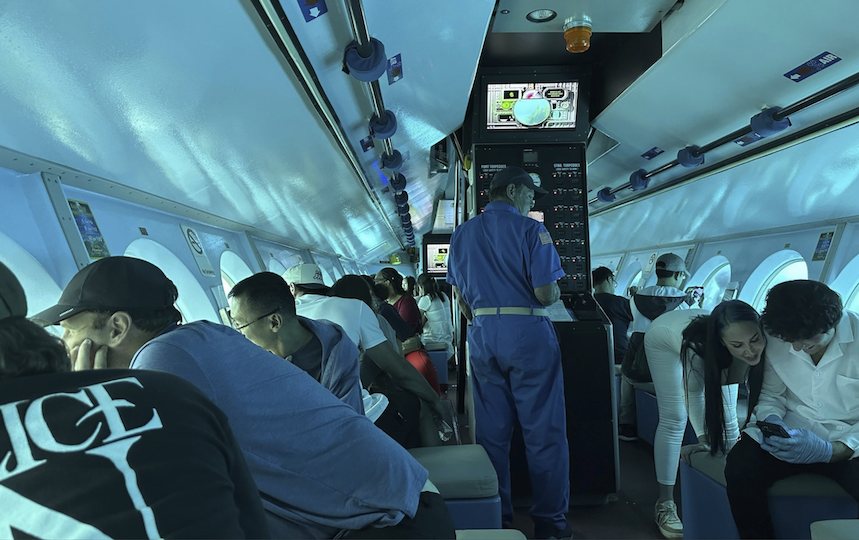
(459, 472)
(833, 529)
(810, 485)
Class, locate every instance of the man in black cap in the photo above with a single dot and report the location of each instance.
(322, 468)
(506, 268)
(113, 453)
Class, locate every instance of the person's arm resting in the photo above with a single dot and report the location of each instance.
(404, 374)
(548, 294)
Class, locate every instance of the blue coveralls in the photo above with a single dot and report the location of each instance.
(497, 260)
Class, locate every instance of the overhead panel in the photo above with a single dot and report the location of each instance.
(721, 73)
(607, 15)
(439, 58)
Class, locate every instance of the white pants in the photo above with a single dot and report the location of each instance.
(662, 346)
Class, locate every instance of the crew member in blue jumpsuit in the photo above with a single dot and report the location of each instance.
(505, 268)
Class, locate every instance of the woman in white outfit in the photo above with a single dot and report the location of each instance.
(696, 361)
(435, 308)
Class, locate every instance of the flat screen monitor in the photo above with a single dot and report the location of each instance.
(531, 105)
(519, 104)
(437, 258)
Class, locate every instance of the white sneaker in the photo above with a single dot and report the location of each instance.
(666, 519)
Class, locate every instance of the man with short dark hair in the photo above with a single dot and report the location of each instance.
(504, 268)
(263, 310)
(110, 454)
(811, 389)
(616, 309)
(322, 468)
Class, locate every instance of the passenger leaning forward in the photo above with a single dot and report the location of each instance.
(504, 268)
(321, 468)
(694, 359)
(811, 388)
(111, 454)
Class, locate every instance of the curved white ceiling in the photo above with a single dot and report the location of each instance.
(187, 101)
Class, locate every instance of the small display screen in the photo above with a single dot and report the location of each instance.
(512, 106)
(437, 258)
(537, 215)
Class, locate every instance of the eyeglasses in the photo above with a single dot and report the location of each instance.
(261, 317)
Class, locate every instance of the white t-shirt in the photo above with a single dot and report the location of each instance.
(438, 328)
(354, 316)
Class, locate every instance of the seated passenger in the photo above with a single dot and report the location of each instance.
(616, 309)
(321, 468)
(410, 285)
(359, 322)
(397, 297)
(110, 454)
(810, 388)
(437, 316)
(401, 419)
(263, 310)
(697, 361)
(386, 310)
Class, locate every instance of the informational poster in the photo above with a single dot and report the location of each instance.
(196, 247)
(823, 244)
(90, 233)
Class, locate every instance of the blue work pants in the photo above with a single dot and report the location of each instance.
(516, 373)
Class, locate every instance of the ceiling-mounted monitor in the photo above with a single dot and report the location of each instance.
(537, 104)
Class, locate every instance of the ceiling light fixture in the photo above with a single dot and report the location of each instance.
(541, 15)
(577, 33)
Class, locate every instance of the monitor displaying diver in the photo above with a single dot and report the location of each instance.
(542, 105)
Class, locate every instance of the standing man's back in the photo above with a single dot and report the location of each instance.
(506, 268)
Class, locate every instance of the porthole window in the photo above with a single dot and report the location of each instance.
(627, 278)
(193, 302)
(714, 275)
(784, 265)
(847, 285)
(233, 270)
(40, 288)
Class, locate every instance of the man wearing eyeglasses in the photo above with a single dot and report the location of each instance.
(321, 468)
(811, 389)
(263, 310)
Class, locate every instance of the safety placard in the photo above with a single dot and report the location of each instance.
(90, 234)
(196, 247)
(818, 63)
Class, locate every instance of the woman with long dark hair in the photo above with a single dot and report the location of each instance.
(437, 317)
(696, 361)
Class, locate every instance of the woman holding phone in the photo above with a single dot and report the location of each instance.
(697, 361)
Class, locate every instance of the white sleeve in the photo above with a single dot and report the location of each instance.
(424, 303)
(371, 334)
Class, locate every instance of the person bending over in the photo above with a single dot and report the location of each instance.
(811, 389)
(113, 453)
(301, 443)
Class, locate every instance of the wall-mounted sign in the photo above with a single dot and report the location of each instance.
(90, 233)
(823, 244)
(196, 247)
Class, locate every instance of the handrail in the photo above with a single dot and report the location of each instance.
(782, 114)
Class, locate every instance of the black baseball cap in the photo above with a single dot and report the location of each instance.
(112, 284)
(516, 176)
(13, 302)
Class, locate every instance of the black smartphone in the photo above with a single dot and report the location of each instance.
(772, 430)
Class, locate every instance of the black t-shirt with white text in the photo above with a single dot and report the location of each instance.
(120, 454)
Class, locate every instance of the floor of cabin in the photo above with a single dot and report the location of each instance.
(627, 514)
